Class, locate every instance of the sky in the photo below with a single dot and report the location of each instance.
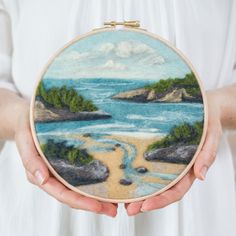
(118, 54)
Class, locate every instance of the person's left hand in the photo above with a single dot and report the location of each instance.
(203, 161)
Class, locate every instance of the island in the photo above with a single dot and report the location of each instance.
(64, 104)
(73, 164)
(169, 90)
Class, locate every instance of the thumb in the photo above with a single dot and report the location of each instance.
(209, 150)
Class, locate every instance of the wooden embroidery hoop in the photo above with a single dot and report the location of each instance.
(129, 26)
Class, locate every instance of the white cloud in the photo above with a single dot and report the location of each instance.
(73, 56)
(106, 47)
(128, 48)
(152, 59)
(122, 50)
(126, 58)
(110, 64)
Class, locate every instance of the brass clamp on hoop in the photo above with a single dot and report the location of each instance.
(133, 23)
(130, 24)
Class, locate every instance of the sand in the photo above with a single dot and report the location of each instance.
(111, 188)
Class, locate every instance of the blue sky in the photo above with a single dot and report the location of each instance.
(118, 54)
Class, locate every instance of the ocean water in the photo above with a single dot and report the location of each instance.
(128, 118)
(135, 119)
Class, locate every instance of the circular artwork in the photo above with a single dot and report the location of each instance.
(118, 115)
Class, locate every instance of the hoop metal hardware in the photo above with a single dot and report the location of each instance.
(129, 24)
(132, 23)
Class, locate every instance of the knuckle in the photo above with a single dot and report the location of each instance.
(179, 198)
(27, 164)
(62, 197)
(59, 200)
(178, 194)
(209, 155)
(30, 178)
(73, 207)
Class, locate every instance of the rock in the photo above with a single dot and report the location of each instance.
(94, 172)
(151, 95)
(117, 145)
(125, 182)
(45, 114)
(122, 166)
(42, 113)
(177, 95)
(87, 135)
(141, 169)
(137, 95)
(181, 154)
(145, 95)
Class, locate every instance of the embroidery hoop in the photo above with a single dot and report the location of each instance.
(130, 26)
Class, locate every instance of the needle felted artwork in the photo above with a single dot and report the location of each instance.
(119, 114)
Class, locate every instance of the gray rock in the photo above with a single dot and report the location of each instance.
(125, 182)
(45, 114)
(141, 169)
(94, 172)
(122, 166)
(181, 154)
(136, 95)
(176, 95)
(144, 95)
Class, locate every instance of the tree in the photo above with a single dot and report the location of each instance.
(184, 133)
(64, 97)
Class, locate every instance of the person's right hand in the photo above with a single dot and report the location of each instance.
(38, 174)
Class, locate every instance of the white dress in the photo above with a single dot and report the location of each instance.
(31, 31)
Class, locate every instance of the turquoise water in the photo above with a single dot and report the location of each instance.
(129, 118)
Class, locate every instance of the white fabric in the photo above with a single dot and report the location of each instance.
(31, 31)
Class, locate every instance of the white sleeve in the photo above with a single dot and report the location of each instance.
(6, 80)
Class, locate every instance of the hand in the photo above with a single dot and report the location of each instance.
(203, 161)
(38, 173)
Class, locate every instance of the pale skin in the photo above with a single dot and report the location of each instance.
(14, 125)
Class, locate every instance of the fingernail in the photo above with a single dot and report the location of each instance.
(203, 172)
(39, 177)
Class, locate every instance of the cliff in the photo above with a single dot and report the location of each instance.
(146, 95)
(46, 114)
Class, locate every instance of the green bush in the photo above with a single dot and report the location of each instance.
(189, 82)
(65, 98)
(184, 133)
(61, 150)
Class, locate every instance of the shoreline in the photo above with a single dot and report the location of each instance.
(111, 188)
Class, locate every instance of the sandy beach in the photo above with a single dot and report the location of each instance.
(111, 188)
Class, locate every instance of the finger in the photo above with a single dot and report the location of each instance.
(71, 198)
(133, 208)
(208, 153)
(109, 209)
(170, 196)
(75, 200)
(31, 178)
(56, 189)
(32, 162)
